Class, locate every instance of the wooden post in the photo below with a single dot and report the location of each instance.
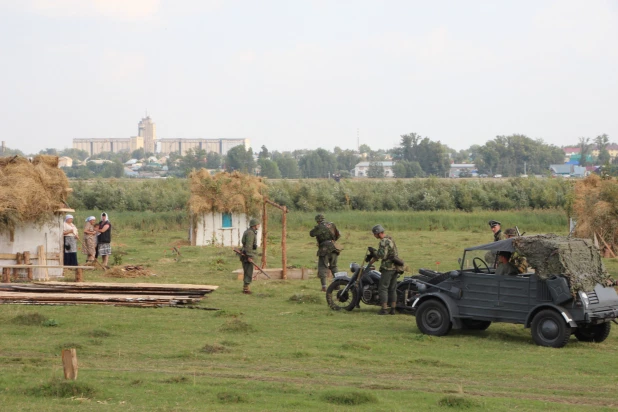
(19, 259)
(27, 262)
(69, 362)
(43, 261)
(6, 275)
(79, 275)
(284, 255)
(264, 233)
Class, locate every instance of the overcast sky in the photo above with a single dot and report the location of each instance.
(295, 74)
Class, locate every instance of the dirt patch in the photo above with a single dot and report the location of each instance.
(129, 271)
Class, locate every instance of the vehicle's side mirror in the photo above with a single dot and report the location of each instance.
(454, 273)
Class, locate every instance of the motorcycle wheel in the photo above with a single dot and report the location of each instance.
(337, 300)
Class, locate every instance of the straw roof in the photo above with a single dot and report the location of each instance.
(30, 191)
(225, 192)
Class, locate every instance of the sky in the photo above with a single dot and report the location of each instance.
(305, 74)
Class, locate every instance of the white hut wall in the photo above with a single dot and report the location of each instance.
(210, 231)
(28, 237)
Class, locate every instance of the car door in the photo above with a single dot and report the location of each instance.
(513, 299)
(479, 298)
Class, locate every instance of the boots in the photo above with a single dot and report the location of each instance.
(384, 310)
(246, 290)
(393, 308)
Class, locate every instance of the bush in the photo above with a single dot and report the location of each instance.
(62, 389)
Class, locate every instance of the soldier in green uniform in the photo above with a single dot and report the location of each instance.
(326, 234)
(497, 230)
(518, 261)
(249, 246)
(387, 250)
(505, 267)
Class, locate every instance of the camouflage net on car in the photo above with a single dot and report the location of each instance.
(577, 259)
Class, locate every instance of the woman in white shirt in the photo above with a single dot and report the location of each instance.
(70, 241)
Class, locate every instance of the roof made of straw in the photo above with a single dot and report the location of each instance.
(30, 191)
(225, 192)
(595, 206)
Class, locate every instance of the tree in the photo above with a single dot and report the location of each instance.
(347, 159)
(318, 163)
(364, 149)
(194, 159)
(213, 160)
(399, 170)
(75, 154)
(288, 166)
(239, 159)
(138, 154)
(375, 170)
(49, 151)
(585, 147)
(264, 153)
(269, 169)
(602, 142)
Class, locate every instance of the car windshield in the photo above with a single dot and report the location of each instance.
(484, 256)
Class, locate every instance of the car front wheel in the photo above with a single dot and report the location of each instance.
(593, 333)
(550, 329)
(432, 318)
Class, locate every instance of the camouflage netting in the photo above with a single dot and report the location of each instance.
(30, 191)
(596, 208)
(577, 259)
(225, 192)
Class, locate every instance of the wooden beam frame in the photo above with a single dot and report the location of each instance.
(284, 256)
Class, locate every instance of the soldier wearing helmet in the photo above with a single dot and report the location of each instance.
(249, 246)
(326, 234)
(387, 251)
(516, 259)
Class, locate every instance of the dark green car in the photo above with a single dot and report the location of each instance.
(548, 303)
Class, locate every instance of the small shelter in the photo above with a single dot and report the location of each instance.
(32, 206)
(221, 207)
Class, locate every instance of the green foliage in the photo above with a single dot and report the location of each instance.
(57, 388)
(318, 163)
(288, 167)
(349, 398)
(375, 170)
(458, 402)
(239, 159)
(50, 322)
(269, 169)
(232, 397)
(29, 319)
(303, 298)
(236, 326)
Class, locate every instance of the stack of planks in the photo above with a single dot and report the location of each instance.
(93, 293)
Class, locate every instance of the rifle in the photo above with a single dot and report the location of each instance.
(240, 252)
(518, 233)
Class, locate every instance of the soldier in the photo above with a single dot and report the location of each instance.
(505, 267)
(518, 261)
(249, 246)
(326, 234)
(387, 251)
(496, 229)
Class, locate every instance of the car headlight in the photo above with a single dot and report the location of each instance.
(584, 298)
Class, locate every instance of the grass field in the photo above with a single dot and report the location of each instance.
(282, 348)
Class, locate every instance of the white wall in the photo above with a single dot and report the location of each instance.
(28, 237)
(210, 231)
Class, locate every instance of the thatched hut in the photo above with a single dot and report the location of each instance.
(221, 206)
(32, 207)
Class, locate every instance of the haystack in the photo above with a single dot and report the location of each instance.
(596, 208)
(225, 193)
(577, 259)
(30, 191)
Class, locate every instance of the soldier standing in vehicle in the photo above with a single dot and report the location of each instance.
(387, 251)
(249, 246)
(518, 261)
(326, 234)
(497, 230)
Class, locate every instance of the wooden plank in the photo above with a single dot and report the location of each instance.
(43, 261)
(6, 275)
(46, 267)
(20, 261)
(27, 262)
(607, 246)
(92, 297)
(69, 363)
(176, 286)
(79, 275)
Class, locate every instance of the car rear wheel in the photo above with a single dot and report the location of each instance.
(550, 329)
(593, 333)
(432, 318)
(474, 324)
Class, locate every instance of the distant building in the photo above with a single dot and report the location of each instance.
(147, 139)
(65, 161)
(362, 169)
(459, 168)
(567, 170)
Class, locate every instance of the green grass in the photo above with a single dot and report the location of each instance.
(268, 352)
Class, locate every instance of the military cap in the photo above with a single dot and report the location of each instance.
(493, 223)
(319, 217)
(510, 232)
(377, 229)
(254, 222)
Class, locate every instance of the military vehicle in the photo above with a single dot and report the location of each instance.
(566, 292)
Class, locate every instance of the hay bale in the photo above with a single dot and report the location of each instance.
(30, 192)
(577, 259)
(225, 193)
(595, 206)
